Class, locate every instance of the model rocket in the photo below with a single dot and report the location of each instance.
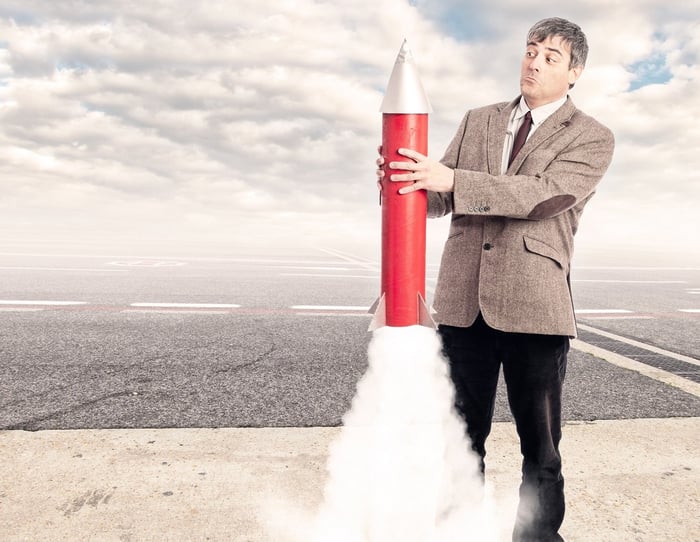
(404, 125)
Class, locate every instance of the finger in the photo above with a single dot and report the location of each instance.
(404, 177)
(380, 161)
(409, 166)
(413, 155)
(411, 188)
(380, 173)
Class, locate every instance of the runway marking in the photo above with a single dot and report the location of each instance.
(41, 303)
(329, 308)
(634, 268)
(346, 256)
(619, 360)
(638, 344)
(147, 263)
(309, 268)
(613, 281)
(122, 259)
(602, 311)
(186, 305)
(362, 262)
(70, 269)
(619, 317)
(326, 275)
(341, 314)
(174, 311)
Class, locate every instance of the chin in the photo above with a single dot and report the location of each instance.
(527, 88)
(529, 96)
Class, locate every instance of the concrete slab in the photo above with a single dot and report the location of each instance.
(627, 480)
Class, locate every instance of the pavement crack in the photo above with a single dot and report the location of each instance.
(34, 424)
(263, 356)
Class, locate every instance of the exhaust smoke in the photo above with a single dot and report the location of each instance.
(402, 467)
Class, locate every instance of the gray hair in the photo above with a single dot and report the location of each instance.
(568, 32)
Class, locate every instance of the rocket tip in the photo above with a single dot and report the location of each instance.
(405, 52)
(404, 93)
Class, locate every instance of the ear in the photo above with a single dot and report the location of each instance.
(574, 74)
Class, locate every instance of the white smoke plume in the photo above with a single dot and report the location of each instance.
(402, 468)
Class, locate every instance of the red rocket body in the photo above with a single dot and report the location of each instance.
(404, 125)
(403, 223)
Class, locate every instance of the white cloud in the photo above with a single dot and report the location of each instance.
(207, 120)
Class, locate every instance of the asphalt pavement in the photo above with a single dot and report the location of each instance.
(128, 374)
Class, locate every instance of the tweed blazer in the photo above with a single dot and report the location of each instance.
(509, 248)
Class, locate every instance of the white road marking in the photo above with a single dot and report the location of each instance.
(362, 262)
(71, 269)
(638, 344)
(309, 268)
(326, 275)
(634, 268)
(671, 379)
(19, 309)
(147, 263)
(329, 308)
(624, 317)
(186, 305)
(178, 258)
(332, 314)
(606, 281)
(29, 302)
(602, 311)
(173, 311)
(694, 311)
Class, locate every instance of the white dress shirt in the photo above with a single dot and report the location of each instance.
(539, 115)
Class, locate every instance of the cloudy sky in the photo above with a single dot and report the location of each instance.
(238, 122)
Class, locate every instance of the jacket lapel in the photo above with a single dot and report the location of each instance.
(557, 121)
(496, 136)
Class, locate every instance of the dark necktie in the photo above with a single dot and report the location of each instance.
(520, 137)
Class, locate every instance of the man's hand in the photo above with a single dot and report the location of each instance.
(380, 171)
(425, 173)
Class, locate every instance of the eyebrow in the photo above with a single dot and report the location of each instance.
(552, 49)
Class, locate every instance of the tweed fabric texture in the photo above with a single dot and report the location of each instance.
(511, 239)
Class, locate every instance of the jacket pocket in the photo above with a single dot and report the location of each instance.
(543, 249)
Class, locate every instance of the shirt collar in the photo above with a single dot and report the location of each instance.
(539, 114)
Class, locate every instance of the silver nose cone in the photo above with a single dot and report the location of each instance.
(404, 93)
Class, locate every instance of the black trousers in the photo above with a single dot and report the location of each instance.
(534, 367)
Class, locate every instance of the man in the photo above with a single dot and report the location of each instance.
(503, 295)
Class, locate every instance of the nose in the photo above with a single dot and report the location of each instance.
(534, 63)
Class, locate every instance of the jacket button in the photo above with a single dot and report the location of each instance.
(487, 246)
(487, 209)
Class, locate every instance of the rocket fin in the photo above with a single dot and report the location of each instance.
(425, 317)
(378, 308)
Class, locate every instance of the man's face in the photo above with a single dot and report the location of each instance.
(545, 75)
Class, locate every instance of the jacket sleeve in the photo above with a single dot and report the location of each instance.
(442, 203)
(567, 179)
